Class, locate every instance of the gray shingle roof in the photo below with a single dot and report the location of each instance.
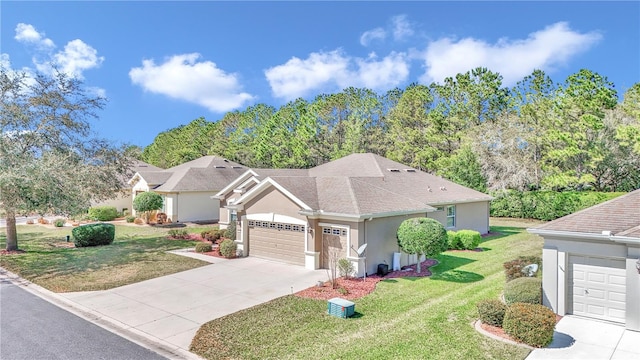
(208, 173)
(621, 216)
(362, 184)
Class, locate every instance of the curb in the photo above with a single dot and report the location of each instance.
(134, 335)
(476, 324)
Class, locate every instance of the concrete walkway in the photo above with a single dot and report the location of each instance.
(580, 338)
(163, 314)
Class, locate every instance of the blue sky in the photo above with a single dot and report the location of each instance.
(162, 64)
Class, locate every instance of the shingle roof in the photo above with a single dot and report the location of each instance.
(362, 184)
(208, 173)
(621, 216)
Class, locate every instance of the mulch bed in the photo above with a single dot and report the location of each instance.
(12, 252)
(355, 288)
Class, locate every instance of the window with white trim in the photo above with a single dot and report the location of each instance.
(280, 226)
(272, 225)
(451, 216)
(335, 231)
(265, 224)
(287, 227)
(295, 227)
(326, 230)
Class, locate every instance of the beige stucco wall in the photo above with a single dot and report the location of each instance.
(273, 201)
(555, 277)
(195, 206)
(120, 202)
(469, 216)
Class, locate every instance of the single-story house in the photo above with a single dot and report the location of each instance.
(123, 200)
(591, 262)
(311, 217)
(187, 189)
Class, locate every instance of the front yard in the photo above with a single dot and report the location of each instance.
(138, 253)
(410, 318)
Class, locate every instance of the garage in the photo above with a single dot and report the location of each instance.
(334, 245)
(597, 287)
(277, 241)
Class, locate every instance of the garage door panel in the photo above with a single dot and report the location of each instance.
(597, 287)
(277, 244)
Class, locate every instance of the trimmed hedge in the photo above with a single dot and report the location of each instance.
(491, 312)
(93, 234)
(202, 247)
(513, 268)
(212, 235)
(453, 242)
(228, 248)
(531, 324)
(103, 213)
(523, 290)
(545, 205)
(469, 239)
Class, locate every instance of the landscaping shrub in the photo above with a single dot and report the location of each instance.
(345, 267)
(228, 248)
(59, 222)
(130, 219)
(452, 240)
(545, 205)
(230, 233)
(212, 235)
(93, 234)
(178, 234)
(202, 247)
(468, 239)
(491, 312)
(138, 221)
(513, 268)
(531, 324)
(523, 290)
(103, 213)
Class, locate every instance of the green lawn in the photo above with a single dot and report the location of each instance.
(411, 318)
(138, 253)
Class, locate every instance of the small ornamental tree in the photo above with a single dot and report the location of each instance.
(146, 202)
(422, 236)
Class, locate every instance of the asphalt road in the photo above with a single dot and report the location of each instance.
(32, 328)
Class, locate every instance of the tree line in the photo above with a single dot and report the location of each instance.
(470, 129)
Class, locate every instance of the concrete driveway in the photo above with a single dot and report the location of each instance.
(580, 338)
(173, 307)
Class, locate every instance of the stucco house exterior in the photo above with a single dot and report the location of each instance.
(306, 217)
(123, 200)
(187, 189)
(591, 262)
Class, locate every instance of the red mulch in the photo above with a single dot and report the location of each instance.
(12, 252)
(356, 288)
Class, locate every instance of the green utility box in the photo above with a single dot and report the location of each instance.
(340, 307)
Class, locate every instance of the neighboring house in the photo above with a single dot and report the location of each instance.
(123, 200)
(591, 262)
(187, 189)
(306, 217)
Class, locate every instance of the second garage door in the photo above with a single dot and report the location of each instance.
(277, 241)
(597, 287)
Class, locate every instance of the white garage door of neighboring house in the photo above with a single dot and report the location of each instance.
(277, 241)
(597, 287)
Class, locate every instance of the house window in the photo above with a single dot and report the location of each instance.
(440, 208)
(451, 216)
(234, 215)
(335, 231)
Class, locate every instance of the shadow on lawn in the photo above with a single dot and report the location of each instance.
(446, 270)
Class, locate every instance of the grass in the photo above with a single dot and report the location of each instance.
(403, 318)
(138, 253)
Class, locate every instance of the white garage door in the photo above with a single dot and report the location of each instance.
(597, 287)
(277, 241)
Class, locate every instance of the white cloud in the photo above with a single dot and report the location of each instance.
(401, 27)
(183, 77)
(74, 59)
(26, 33)
(513, 59)
(334, 71)
(375, 34)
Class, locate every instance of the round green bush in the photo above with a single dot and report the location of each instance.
(491, 312)
(93, 234)
(523, 290)
(130, 219)
(103, 213)
(228, 248)
(453, 242)
(202, 247)
(531, 324)
(468, 239)
(59, 222)
(513, 268)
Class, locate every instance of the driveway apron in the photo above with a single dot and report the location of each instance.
(173, 307)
